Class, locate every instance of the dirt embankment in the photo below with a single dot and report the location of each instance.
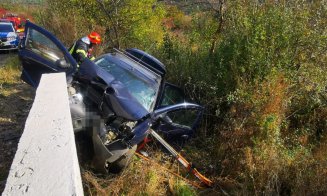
(15, 101)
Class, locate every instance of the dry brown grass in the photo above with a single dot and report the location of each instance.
(141, 177)
(261, 150)
(15, 101)
(10, 73)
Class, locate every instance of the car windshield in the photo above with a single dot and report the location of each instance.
(141, 83)
(6, 28)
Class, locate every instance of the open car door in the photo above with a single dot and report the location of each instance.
(41, 52)
(177, 125)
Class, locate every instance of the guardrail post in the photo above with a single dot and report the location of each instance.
(46, 161)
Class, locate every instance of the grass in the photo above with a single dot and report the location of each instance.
(15, 101)
(141, 177)
(182, 189)
(10, 73)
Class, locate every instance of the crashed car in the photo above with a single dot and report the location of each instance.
(117, 99)
(9, 39)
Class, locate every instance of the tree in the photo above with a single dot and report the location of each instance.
(122, 23)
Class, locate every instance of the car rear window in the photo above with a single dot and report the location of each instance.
(6, 28)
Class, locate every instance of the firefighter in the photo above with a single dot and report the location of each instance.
(83, 47)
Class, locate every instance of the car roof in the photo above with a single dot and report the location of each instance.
(146, 72)
(147, 60)
(5, 23)
(132, 62)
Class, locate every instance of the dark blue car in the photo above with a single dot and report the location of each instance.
(9, 39)
(117, 98)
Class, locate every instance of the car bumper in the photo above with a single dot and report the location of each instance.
(9, 45)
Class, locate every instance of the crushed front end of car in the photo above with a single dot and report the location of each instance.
(114, 138)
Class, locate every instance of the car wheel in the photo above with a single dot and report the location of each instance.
(122, 162)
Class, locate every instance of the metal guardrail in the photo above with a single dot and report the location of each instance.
(46, 161)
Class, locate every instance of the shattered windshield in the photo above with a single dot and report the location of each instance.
(140, 83)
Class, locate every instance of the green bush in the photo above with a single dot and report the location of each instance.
(121, 24)
(264, 90)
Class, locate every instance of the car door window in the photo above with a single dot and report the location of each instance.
(43, 46)
(185, 117)
(172, 95)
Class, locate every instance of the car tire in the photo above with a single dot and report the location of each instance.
(117, 166)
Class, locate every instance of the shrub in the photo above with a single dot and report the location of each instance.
(264, 90)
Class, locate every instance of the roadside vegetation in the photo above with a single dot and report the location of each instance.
(258, 68)
(15, 101)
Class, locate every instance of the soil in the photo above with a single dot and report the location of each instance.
(15, 102)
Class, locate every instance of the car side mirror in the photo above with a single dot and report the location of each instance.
(62, 63)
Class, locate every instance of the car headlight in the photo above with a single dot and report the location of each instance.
(11, 38)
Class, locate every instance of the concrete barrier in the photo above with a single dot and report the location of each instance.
(46, 161)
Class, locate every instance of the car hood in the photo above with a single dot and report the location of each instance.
(7, 34)
(118, 97)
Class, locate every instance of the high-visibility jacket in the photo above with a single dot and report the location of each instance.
(80, 50)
